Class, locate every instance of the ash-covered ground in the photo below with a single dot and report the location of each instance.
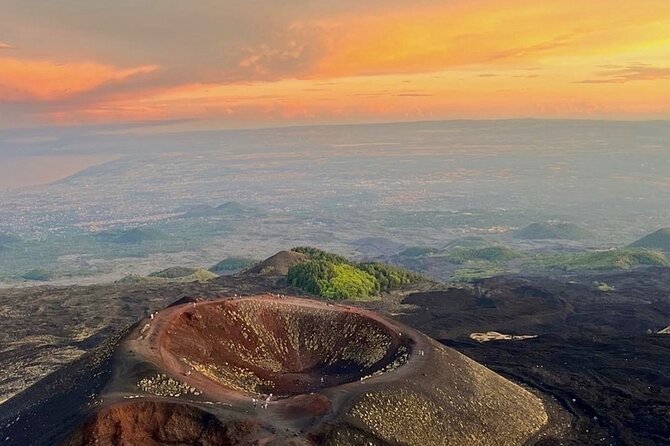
(597, 354)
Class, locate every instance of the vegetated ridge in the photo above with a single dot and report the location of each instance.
(613, 259)
(333, 276)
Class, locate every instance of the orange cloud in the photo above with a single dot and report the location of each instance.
(616, 74)
(22, 80)
(443, 95)
(456, 59)
(493, 33)
(5, 46)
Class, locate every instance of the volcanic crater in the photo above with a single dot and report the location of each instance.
(280, 347)
(275, 370)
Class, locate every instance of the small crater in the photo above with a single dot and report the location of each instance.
(266, 346)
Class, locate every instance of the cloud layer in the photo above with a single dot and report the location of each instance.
(260, 62)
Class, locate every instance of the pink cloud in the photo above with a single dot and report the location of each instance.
(39, 80)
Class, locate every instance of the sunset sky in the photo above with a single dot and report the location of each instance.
(262, 63)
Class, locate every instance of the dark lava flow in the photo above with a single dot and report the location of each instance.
(597, 353)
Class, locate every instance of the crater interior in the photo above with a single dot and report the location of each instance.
(263, 346)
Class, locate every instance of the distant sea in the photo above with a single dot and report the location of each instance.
(33, 170)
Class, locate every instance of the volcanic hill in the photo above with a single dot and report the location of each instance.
(274, 370)
(656, 240)
(278, 264)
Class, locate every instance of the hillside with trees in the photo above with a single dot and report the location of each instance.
(335, 277)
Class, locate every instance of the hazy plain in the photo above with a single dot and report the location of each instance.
(334, 186)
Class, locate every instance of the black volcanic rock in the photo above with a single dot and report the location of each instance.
(596, 353)
(593, 354)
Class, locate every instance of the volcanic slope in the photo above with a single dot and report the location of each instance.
(278, 264)
(656, 240)
(596, 352)
(273, 370)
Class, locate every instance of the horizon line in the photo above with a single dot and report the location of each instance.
(156, 124)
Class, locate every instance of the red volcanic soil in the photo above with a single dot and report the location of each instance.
(280, 346)
(152, 423)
